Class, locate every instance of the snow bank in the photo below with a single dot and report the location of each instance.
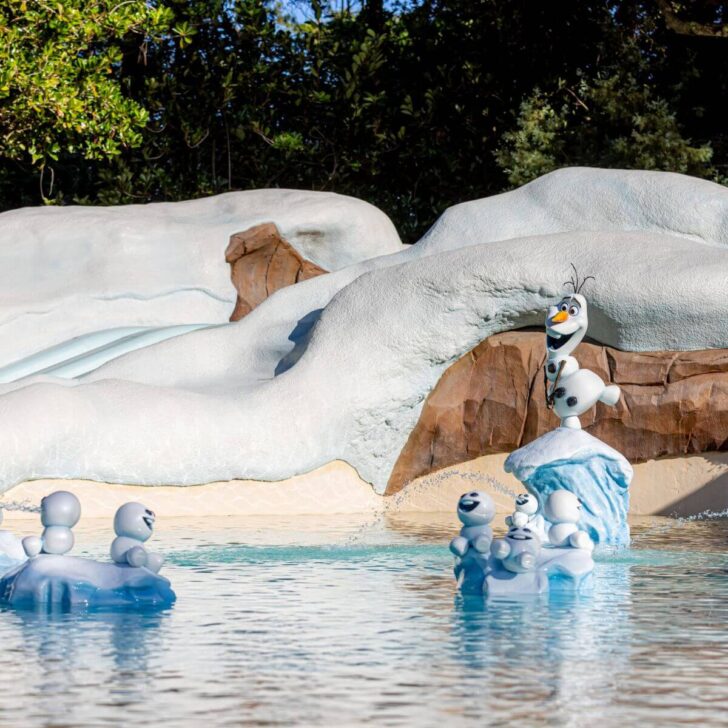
(337, 367)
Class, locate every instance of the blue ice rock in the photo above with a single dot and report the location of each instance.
(53, 582)
(577, 461)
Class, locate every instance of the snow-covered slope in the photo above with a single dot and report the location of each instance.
(337, 367)
(68, 272)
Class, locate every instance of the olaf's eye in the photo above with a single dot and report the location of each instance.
(573, 310)
(564, 307)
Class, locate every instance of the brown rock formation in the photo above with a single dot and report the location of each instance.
(263, 262)
(492, 400)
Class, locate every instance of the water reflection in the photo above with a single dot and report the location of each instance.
(65, 653)
(549, 654)
(300, 626)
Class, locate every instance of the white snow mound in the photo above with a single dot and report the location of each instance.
(338, 367)
(68, 272)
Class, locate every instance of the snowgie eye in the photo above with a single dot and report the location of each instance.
(473, 495)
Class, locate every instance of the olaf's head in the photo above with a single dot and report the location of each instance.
(476, 508)
(566, 325)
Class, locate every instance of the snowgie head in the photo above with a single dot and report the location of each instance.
(523, 533)
(562, 506)
(526, 503)
(134, 520)
(524, 548)
(476, 508)
(60, 509)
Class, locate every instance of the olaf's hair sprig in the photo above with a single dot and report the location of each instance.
(574, 281)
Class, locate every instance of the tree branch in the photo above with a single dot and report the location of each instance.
(689, 27)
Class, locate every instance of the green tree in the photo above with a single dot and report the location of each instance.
(59, 84)
(414, 105)
(608, 122)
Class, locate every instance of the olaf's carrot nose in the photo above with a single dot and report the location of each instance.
(560, 316)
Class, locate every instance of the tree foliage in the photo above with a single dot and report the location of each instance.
(58, 91)
(413, 106)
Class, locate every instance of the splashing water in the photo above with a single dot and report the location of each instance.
(430, 481)
(25, 506)
(434, 480)
(679, 522)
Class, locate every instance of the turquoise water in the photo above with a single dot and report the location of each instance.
(310, 623)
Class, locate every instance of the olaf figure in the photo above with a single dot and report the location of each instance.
(571, 391)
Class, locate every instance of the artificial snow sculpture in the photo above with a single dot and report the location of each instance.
(526, 514)
(568, 458)
(471, 547)
(595, 473)
(577, 485)
(51, 580)
(563, 512)
(59, 513)
(521, 563)
(133, 525)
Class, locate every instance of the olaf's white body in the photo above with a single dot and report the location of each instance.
(572, 390)
(581, 391)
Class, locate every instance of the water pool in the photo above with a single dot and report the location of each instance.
(310, 622)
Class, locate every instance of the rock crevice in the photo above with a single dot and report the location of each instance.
(492, 400)
(261, 263)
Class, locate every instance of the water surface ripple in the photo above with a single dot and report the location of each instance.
(301, 624)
